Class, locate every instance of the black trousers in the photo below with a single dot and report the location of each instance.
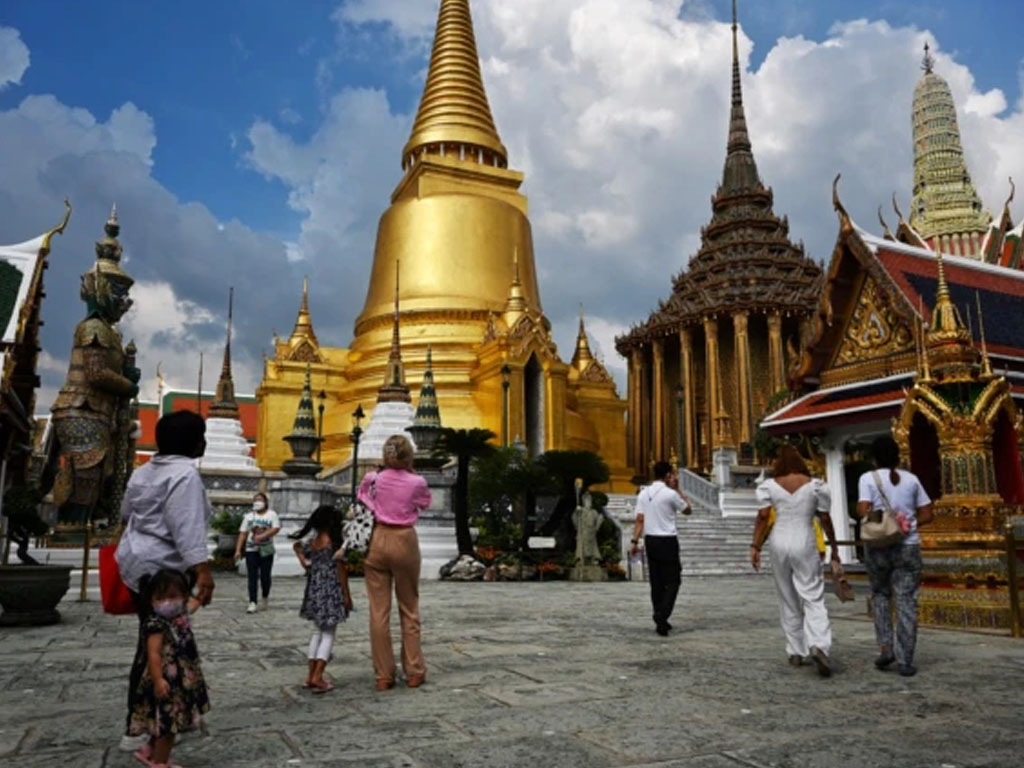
(665, 573)
(258, 567)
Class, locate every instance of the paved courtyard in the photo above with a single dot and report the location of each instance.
(532, 675)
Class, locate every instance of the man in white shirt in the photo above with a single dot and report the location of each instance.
(656, 508)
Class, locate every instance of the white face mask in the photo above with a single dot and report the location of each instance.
(259, 506)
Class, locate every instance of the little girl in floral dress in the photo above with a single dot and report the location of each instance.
(171, 697)
(327, 600)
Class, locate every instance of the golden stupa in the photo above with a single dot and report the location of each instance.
(459, 230)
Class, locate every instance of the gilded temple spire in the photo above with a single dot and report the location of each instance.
(304, 321)
(582, 356)
(515, 303)
(395, 389)
(454, 112)
(946, 209)
(224, 405)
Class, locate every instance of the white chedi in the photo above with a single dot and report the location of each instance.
(387, 419)
(226, 448)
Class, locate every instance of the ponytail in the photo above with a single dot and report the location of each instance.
(324, 518)
(887, 456)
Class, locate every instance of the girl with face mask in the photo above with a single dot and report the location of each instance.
(256, 535)
(171, 696)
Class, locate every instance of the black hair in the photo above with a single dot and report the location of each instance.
(180, 433)
(661, 469)
(164, 581)
(887, 456)
(324, 518)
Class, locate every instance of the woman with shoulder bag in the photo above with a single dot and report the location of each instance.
(396, 495)
(892, 504)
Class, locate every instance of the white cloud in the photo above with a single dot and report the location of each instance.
(182, 258)
(14, 57)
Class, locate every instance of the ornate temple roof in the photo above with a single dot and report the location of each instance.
(945, 201)
(746, 260)
(454, 107)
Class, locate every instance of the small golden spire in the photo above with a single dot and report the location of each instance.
(925, 370)
(454, 107)
(515, 304)
(304, 322)
(582, 356)
(986, 363)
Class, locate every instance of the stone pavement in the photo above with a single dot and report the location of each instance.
(535, 675)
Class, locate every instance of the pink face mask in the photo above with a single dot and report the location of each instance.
(169, 609)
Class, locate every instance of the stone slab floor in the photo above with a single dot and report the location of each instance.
(531, 675)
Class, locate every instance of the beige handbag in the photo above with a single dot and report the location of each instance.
(884, 533)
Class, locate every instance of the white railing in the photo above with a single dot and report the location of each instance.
(701, 493)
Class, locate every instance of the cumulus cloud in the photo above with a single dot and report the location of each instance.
(181, 256)
(14, 57)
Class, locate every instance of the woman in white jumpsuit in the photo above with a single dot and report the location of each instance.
(796, 566)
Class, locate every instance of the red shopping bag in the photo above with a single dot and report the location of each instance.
(117, 599)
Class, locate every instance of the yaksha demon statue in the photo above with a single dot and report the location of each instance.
(92, 413)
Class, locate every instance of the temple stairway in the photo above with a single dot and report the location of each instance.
(709, 544)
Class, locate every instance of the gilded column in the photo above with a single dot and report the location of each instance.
(742, 346)
(636, 409)
(714, 389)
(689, 405)
(776, 362)
(658, 395)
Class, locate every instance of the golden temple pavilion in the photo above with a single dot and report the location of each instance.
(704, 366)
(458, 232)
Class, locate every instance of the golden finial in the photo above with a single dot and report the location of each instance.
(582, 356)
(896, 207)
(926, 371)
(885, 227)
(304, 321)
(845, 223)
(58, 230)
(986, 364)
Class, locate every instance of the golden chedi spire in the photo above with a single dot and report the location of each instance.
(303, 344)
(946, 209)
(582, 357)
(515, 303)
(454, 108)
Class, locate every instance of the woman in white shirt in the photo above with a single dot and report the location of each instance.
(256, 533)
(797, 498)
(894, 570)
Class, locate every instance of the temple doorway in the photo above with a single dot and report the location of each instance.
(533, 387)
(924, 455)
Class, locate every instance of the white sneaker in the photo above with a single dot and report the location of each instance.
(132, 743)
(251, 608)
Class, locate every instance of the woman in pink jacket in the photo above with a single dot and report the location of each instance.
(396, 495)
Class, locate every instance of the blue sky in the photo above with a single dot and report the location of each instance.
(256, 107)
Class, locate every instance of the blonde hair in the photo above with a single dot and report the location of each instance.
(398, 452)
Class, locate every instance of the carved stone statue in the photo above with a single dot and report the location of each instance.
(92, 413)
(587, 520)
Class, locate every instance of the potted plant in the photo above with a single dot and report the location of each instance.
(29, 592)
(226, 524)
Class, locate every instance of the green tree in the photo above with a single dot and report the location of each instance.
(465, 446)
(564, 467)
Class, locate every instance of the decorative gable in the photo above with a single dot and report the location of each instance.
(874, 330)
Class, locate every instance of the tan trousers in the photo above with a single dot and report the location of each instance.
(394, 558)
